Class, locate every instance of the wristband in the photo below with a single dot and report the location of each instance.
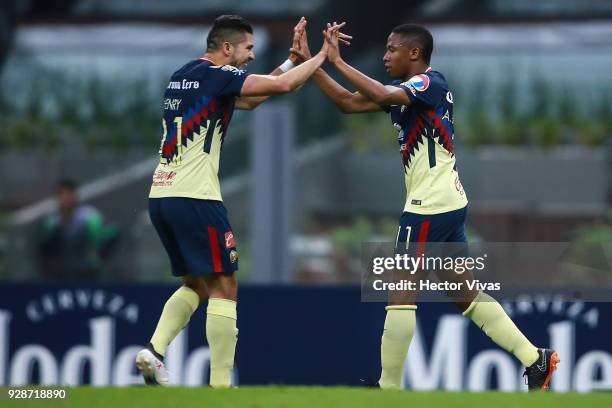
(287, 65)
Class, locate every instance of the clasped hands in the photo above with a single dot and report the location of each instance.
(300, 51)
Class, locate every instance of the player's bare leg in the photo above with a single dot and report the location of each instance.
(400, 324)
(489, 315)
(221, 331)
(198, 285)
(464, 297)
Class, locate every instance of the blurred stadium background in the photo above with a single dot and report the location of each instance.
(80, 98)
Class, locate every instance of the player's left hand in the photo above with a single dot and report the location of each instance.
(302, 51)
(298, 34)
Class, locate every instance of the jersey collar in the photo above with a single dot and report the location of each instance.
(428, 69)
(209, 60)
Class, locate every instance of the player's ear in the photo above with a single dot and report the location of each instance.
(227, 48)
(415, 53)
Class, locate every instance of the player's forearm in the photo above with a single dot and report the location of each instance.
(255, 101)
(298, 75)
(251, 102)
(332, 89)
(369, 87)
(277, 72)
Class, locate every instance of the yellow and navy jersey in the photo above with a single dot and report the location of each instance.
(425, 136)
(198, 105)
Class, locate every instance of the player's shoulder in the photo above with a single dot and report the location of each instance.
(426, 80)
(192, 68)
(204, 66)
(437, 78)
(224, 73)
(430, 85)
(229, 69)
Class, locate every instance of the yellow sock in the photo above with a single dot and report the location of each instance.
(493, 320)
(397, 335)
(176, 314)
(222, 335)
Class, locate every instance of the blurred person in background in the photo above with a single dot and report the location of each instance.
(74, 241)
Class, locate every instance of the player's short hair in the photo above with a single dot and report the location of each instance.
(228, 27)
(419, 35)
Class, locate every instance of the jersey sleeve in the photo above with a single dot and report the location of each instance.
(231, 79)
(422, 88)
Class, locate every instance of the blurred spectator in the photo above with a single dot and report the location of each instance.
(74, 241)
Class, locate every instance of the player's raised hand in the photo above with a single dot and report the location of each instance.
(298, 33)
(332, 40)
(344, 39)
(300, 48)
(331, 37)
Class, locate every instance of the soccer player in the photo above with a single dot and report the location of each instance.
(185, 203)
(421, 108)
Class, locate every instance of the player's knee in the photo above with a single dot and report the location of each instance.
(397, 298)
(202, 292)
(198, 285)
(222, 286)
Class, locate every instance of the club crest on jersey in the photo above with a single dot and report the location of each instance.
(419, 82)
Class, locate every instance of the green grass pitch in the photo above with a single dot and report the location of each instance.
(304, 397)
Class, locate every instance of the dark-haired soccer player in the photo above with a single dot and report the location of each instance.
(185, 200)
(421, 108)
